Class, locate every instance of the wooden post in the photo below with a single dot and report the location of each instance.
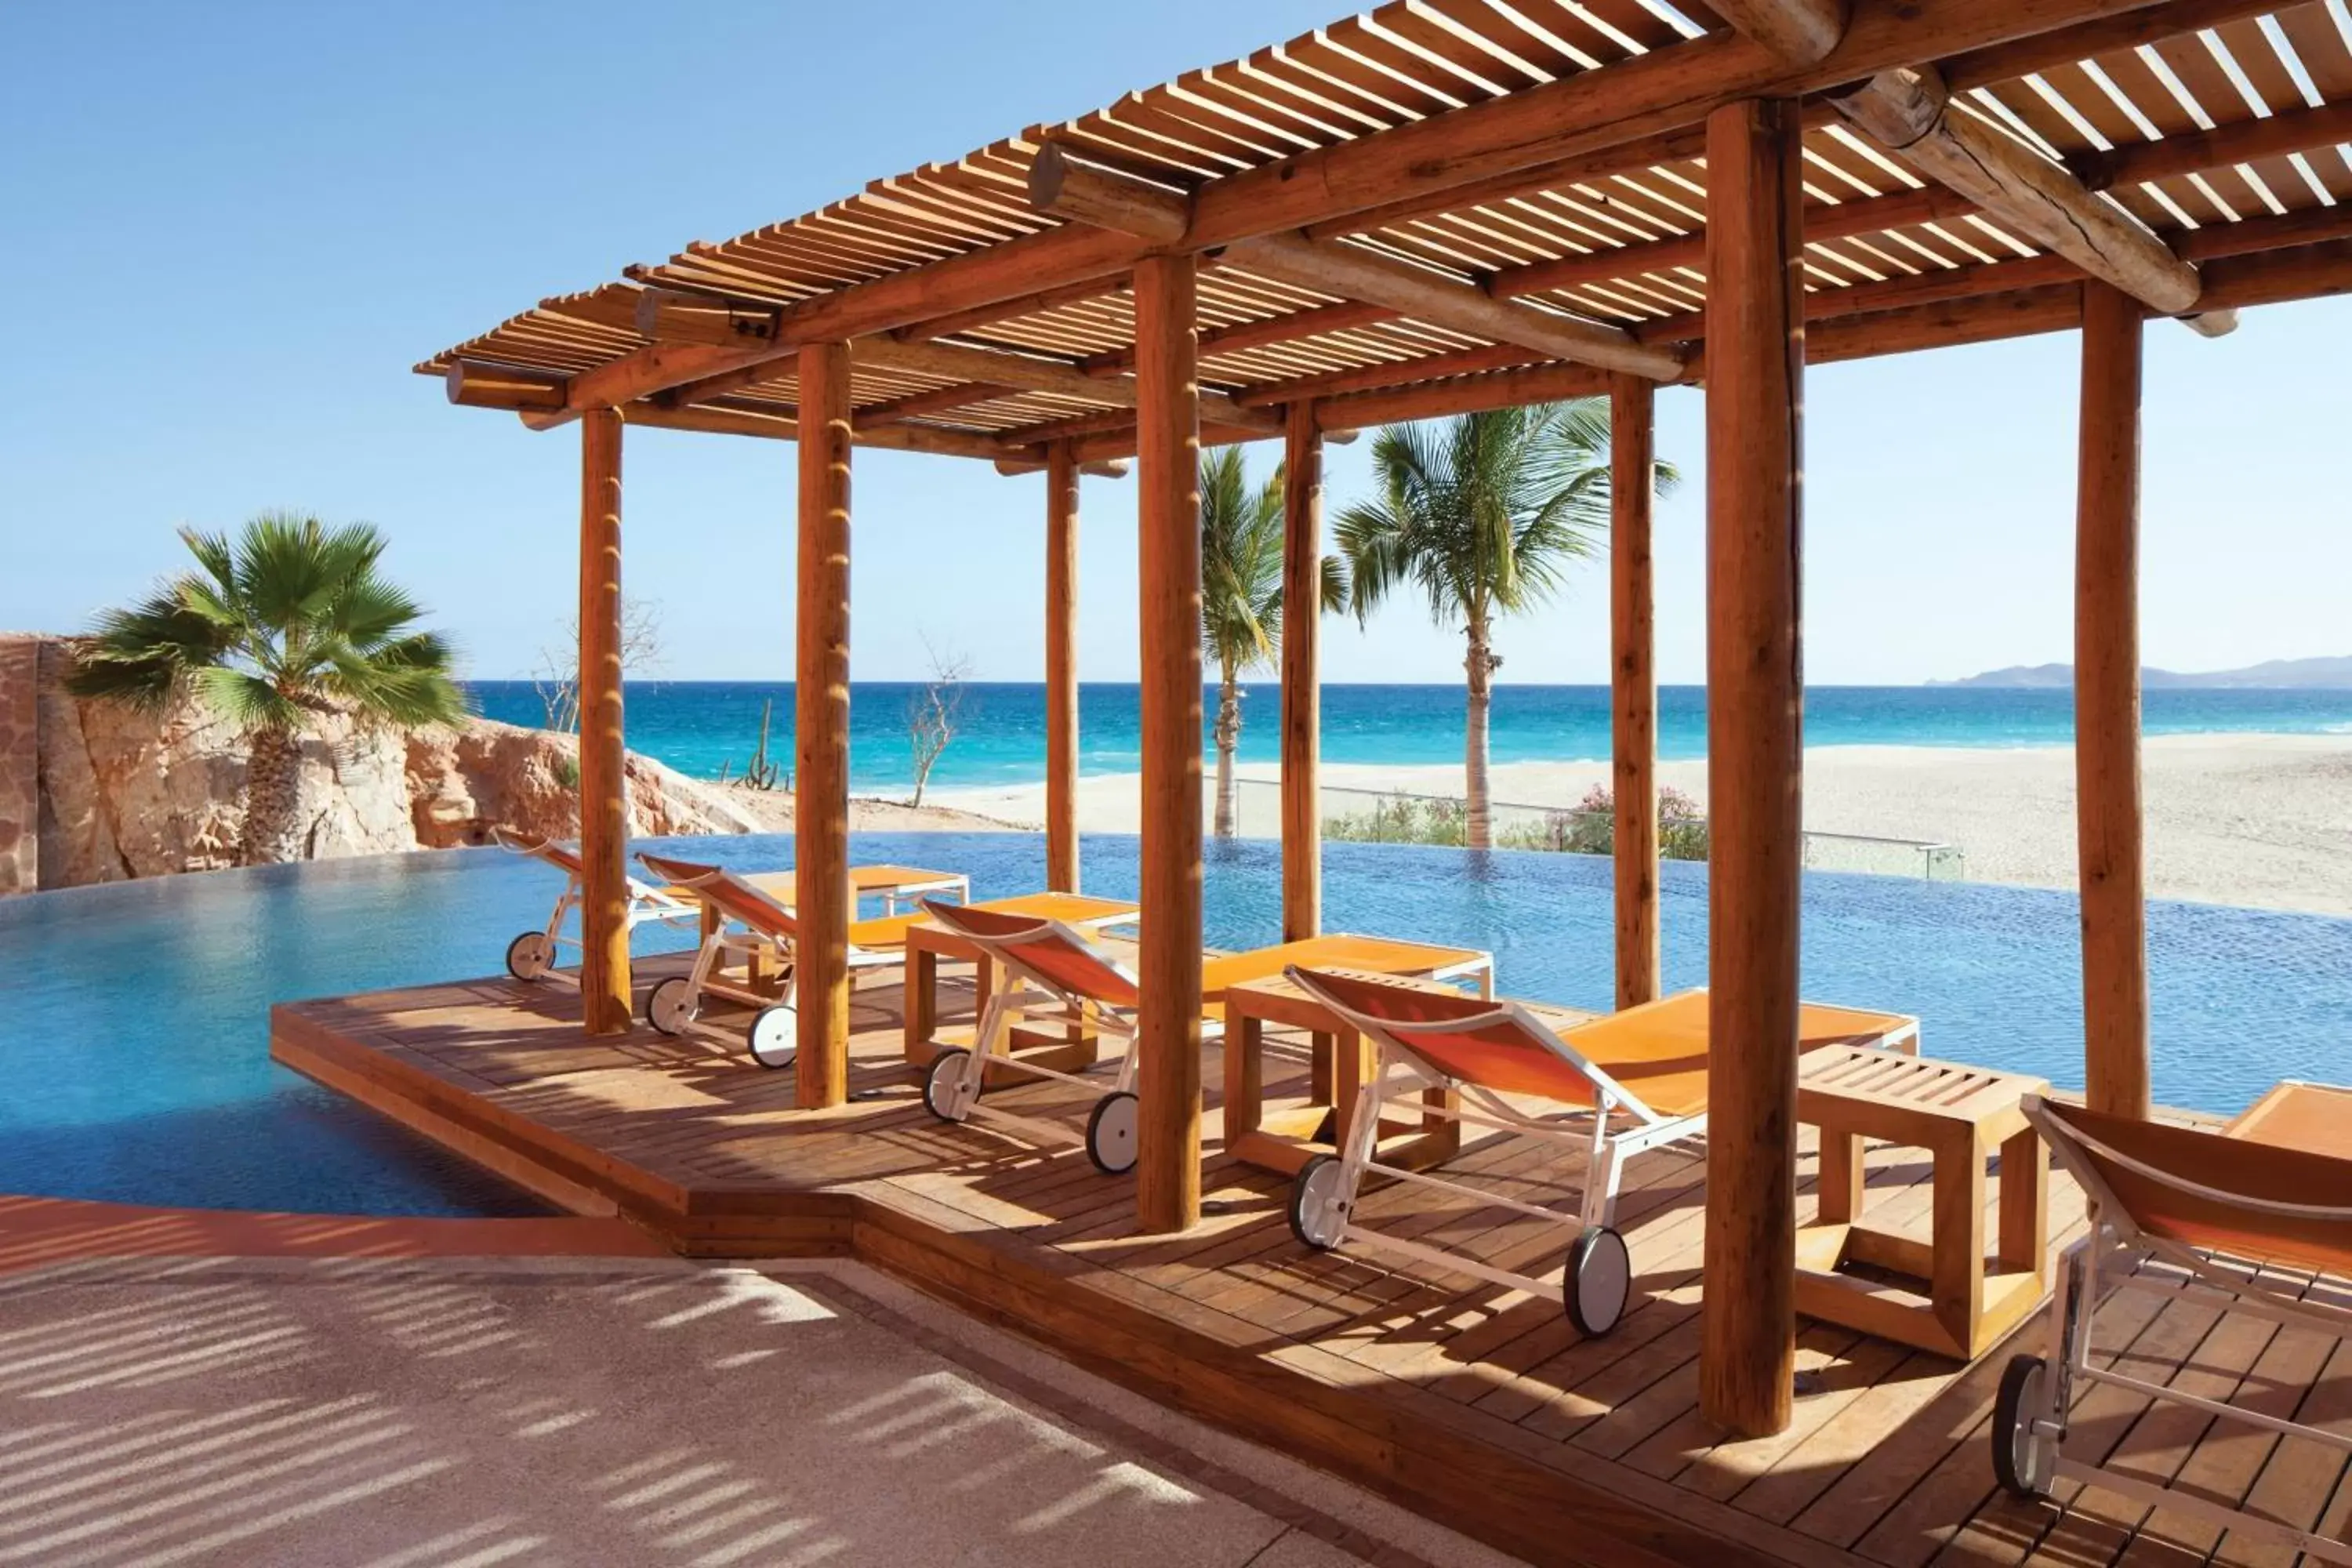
(1061, 668)
(1168, 558)
(1755, 760)
(1302, 695)
(604, 991)
(2107, 707)
(821, 731)
(1633, 682)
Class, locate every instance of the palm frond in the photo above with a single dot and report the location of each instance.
(143, 656)
(246, 699)
(287, 618)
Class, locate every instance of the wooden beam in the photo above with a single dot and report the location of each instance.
(606, 1002)
(477, 385)
(1905, 111)
(1355, 273)
(1085, 193)
(1824, 220)
(1755, 455)
(937, 400)
(1678, 146)
(1061, 668)
(2106, 708)
(1580, 116)
(1799, 31)
(1072, 188)
(1245, 335)
(2194, 152)
(1037, 375)
(724, 418)
(1394, 372)
(820, 732)
(1634, 687)
(2306, 272)
(1302, 694)
(955, 321)
(2310, 272)
(1461, 394)
(1167, 1041)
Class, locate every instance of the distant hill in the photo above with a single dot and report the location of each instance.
(2324, 673)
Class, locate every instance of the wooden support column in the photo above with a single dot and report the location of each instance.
(1302, 694)
(2107, 707)
(1061, 668)
(1633, 686)
(1755, 362)
(1168, 560)
(605, 994)
(821, 731)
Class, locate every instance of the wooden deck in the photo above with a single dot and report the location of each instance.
(1478, 1406)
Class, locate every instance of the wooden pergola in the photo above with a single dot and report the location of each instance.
(1454, 204)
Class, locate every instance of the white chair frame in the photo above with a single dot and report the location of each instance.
(1401, 1070)
(647, 904)
(960, 1094)
(2107, 1261)
(731, 936)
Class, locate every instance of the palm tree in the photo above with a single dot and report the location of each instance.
(1241, 594)
(289, 621)
(1483, 514)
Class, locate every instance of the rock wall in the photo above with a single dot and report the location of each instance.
(115, 794)
(20, 765)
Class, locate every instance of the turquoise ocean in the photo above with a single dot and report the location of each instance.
(699, 726)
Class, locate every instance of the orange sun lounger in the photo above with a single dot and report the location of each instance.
(531, 955)
(2255, 1225)
(751, 925)
(1620, 1085)
(1094, 990)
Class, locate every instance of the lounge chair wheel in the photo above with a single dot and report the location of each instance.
(946, 1095)
(773, 1034)
(530, 955)
(1599, 1277)
(1318, 1211)
(1110, 1133)
(670, 1006)
(2022, 1459)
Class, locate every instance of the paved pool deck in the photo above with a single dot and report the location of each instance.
(198, 1387)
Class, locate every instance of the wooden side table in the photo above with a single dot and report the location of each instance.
(1941, 1297)
(1344, 1061)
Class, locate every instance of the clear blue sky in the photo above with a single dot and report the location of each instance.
(234, 229)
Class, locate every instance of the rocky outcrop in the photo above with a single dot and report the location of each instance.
(117, 793)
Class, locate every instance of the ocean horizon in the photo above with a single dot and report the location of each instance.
(699, 727)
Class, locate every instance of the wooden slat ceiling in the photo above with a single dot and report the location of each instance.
(1414, 58)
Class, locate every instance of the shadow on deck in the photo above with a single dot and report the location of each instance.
(1479, 1407)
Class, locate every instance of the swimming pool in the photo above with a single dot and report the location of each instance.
(133, 1017)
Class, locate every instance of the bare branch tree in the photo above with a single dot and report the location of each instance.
(933, 712)
(558, 680)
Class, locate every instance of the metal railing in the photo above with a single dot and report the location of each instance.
(1398, 817)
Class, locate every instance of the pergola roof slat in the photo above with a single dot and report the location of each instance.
(1549, 155)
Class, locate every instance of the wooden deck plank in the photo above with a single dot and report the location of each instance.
(1475, 1403)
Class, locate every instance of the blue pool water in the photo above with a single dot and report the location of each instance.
(133, 1018)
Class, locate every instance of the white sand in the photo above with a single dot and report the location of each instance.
(2238, 819)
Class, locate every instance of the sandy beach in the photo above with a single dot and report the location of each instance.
(2262, 820)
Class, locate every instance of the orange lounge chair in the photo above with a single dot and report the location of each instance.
(1094, 989)
(2255, 1225)
(531, 955)
(754, 927)
(1629, 1082)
